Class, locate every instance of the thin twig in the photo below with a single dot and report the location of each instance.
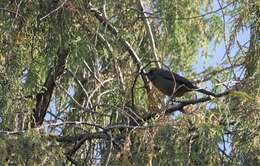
(73, 123)
(95, 76)
(185, 18)
(53, 11)
(208, 76)
(14, 13)
(208, 13)
(105, 22)
(81, 106)
(150, 34)
(95, 90)
(78, 81)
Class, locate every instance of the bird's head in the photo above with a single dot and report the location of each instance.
(152, 74)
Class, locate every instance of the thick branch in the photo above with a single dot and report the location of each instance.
(181, 104)
(82, 141)
(43, 98)
(86, 136)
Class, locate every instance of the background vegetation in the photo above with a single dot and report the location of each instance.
(69, 73)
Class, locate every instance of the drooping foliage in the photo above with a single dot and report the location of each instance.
(71, 90)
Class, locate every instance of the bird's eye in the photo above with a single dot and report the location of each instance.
(151, 71)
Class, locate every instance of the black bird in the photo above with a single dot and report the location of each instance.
(172, 84)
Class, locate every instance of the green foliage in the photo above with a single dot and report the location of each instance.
(29, 149)
(94, 93)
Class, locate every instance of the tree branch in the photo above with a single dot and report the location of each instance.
(211, 74)
(53, 11)
(208, 13)
(86, 136)
(150, 34)
(179, 106)
(43, 98)
(101, 17)
(13, 13)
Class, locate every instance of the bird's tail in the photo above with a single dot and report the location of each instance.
(206, 92)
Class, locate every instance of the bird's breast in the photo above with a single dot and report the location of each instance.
(165, 86)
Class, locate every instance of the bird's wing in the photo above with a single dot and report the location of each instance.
(175, 77)
(166, 74)
(182, 80)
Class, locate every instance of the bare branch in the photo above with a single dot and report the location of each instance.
(208, 76)
(95, 90)
(78, 82)
(86, 135)
(179, 106)
(150, 34)
(150, 14)
(53, 11)
(14, 13)
(208, 13)
(102, 18)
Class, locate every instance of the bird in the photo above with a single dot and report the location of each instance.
(172, 84)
